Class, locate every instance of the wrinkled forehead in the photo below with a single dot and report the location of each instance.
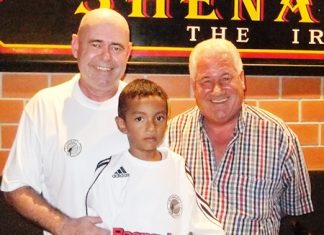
(214, 59)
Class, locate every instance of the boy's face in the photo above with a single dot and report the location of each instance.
(145, 124)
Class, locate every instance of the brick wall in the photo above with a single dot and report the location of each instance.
(297, 100)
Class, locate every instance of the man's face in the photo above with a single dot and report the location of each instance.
(102, 51)
(219, 88)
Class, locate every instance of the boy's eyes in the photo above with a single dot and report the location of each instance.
(160, 118)
(138, 119)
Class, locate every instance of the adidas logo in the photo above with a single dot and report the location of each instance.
(121, 172)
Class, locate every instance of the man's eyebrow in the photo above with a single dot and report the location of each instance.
(95, 40)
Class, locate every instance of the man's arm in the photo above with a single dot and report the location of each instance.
(35, 208)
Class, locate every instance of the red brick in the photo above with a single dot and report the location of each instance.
(178, 106)
(8, 134)
(176, 86)
(312, 111)
(60, 78)
(131, 77)
(3, 158)
(263, 87)
(314, 157)
(251, 102)
(322, 134)
(307, 133)
(10, 110)
(301, 87)
(23, 85)
(286, 110)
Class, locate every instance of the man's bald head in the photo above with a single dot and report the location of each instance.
(104, 16)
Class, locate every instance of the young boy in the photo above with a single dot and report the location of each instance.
(145, 190)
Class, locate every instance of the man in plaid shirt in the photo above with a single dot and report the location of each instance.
(245, 162)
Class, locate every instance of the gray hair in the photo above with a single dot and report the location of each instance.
(211, 47)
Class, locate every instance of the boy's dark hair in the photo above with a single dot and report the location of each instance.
(139, 88)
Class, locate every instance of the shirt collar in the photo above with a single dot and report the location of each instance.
(241, 120)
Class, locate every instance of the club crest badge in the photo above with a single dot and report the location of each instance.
(72, 148)
(174, 206)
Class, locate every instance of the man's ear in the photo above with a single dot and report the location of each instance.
(75, 45)
(242, 78)
(121, 124)
(130, 48)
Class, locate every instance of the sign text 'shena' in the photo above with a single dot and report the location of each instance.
(266, 32)
(242, 10)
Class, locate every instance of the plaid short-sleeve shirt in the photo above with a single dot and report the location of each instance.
(261, 178)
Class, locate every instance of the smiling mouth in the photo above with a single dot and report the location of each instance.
(101, 68)
(219, 100)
